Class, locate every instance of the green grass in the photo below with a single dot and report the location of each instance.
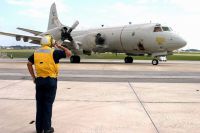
(189, 53)
(176, 56)
(17, 53)
(186, 56)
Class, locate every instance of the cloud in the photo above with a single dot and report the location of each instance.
(187, 5)
(2, 23)
(38, 9)
(121, 13)
(137, 12)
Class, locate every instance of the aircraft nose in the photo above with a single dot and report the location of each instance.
(178, 42)
(175, 42)
(181, 42)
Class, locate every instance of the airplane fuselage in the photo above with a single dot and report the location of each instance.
(151, 38)
(130, 39)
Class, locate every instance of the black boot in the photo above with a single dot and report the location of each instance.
(39, 131)
(50, 130)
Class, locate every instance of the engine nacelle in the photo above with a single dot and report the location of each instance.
(65, 35)
(92, 42)
(102, 44)
(100, 39)
(18, 38)
(87, 41)
(57, 33)
(25, 39)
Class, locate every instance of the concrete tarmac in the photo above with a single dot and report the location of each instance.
(125, 106)
(112, 71)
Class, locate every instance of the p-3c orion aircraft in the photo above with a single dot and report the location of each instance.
(150, 39)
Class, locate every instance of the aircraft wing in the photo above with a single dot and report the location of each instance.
(30, 31)
(26, 38)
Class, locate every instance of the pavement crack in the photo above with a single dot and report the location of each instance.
(143, 107)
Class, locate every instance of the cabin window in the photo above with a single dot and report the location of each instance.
(166, 29)
(157, 29)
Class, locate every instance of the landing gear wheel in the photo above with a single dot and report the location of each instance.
(128, 60)
(75, 59)
(155, 62)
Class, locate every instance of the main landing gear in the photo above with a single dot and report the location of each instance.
(75, 59)
(128, 59)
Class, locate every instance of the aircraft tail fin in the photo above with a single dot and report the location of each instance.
(53, 18)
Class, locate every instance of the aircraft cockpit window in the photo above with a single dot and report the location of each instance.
(157, 29)
(166, 29)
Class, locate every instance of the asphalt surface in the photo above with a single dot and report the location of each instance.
(112, 71)
(106, 96)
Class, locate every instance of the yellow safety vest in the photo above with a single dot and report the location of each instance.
(44, 63)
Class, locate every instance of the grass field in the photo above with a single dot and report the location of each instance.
(17, 53)
(176, 56)
(187, 56)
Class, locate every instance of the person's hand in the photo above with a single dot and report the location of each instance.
(57, 44)
(34, 80)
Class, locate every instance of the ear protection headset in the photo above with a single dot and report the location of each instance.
(47, 40)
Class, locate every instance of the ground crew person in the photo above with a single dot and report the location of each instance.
(46, 61)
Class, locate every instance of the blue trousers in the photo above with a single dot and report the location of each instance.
(45, 96)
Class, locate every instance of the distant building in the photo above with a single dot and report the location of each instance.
(191, 50)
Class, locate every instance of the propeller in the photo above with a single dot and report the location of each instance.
(66, 32)
(76, 23)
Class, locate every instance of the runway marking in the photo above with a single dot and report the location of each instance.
(13, 74)
(128, 76)
(109, 76)
(143, 107)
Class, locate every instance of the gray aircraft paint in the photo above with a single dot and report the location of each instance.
(130, 39)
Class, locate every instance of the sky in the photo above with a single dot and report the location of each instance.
(183, 16)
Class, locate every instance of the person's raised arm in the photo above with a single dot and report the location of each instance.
(67, 51)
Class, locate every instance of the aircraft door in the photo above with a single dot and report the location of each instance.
(114, 37)
(130, 41)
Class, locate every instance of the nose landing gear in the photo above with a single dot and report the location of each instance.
(155, 61)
